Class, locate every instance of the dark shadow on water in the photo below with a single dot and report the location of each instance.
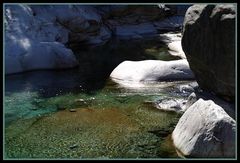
(96, 64)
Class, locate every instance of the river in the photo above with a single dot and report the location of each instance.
(81, 113)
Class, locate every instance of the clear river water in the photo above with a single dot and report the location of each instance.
(81, 113)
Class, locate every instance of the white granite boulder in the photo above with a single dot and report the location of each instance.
(152, 70)
(205, 130)
(33, 42)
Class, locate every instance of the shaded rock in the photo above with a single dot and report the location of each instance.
(152, 70)
(37, 33)
(209, 44)
(172, 23)
(179, 10)
(131, 31)
(134, 22)
(131, 13)
(205, 130)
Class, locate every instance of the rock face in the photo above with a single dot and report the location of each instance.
(32, 43)
(205, 130)
(41, 36)
(131, 21)
(152, 70)
(209, 44)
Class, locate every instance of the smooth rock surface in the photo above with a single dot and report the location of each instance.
(205, 130)
(32, 43)
(209, 44)
(152, 70)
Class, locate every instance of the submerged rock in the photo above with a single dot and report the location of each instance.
(205, 130)
(175, 105)
(152, 70)
(184, 90)
(209, 44)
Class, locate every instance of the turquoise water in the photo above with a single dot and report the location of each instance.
(81, 113)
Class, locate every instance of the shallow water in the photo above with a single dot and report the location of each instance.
(81, 113)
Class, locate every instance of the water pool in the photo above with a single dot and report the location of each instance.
(81, 113)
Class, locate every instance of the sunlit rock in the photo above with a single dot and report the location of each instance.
(205, 130)
(152, 70)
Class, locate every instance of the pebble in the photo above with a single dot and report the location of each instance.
(72, 110)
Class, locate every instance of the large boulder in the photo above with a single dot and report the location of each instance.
(82, 22)
(40, 55)
(33, 43)
(205, 130)
(209, 44)
(152, 70)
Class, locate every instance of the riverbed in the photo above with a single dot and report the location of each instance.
(81, 113)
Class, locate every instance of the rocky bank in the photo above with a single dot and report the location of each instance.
(208, 126)
(41, 36)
